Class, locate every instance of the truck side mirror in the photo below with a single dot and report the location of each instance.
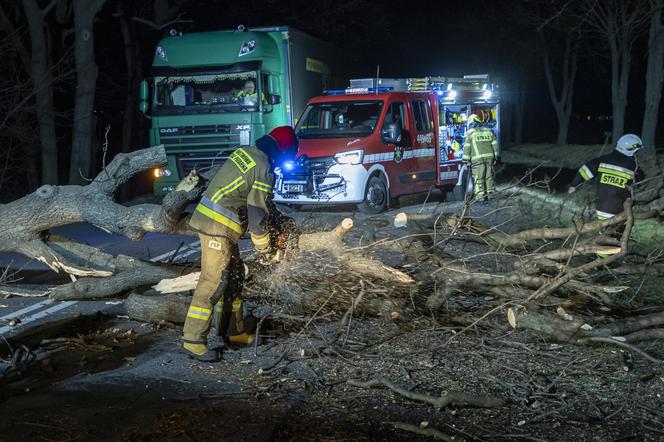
(274, 99)
(143, 96)
(391, 133)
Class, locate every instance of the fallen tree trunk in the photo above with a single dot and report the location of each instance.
(24, 222)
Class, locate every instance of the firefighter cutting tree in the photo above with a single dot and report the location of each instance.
(238, 199)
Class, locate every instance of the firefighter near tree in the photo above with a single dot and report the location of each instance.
(616, 173)
(480, 152)
(236, 201)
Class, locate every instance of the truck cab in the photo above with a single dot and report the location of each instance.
(369, 145)
(212, 92)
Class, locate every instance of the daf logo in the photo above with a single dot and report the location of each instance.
(168, 130)
(242, 127)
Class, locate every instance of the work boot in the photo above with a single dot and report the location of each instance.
(201, 353)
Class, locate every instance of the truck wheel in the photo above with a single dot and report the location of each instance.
(376, 196)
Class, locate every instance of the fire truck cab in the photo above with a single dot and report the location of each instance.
(384, 138)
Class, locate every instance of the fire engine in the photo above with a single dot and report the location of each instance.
(383, 138)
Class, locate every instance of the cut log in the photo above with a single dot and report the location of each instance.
(152, 306)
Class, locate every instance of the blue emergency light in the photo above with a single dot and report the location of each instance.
(288, 166)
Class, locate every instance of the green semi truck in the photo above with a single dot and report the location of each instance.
(211, 92)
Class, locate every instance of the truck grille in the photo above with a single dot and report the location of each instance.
(204, 137)
(187, 163)
(321, 164)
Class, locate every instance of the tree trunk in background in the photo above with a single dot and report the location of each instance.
(42, 80)
(132, 81)
(86, 80)
(654, 80)
(563, 103)
(519, 111)
(621, 61)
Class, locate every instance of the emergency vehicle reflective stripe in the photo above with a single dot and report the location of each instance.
(220, 216)
(228, 189)
(407, 154)
(262, 187)
(585, 172)
(217, 194)
(604, 215)
(615, 170)
(199, 313)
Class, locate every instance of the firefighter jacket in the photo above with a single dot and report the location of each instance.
(616, 173)
(480, 143)
(238, 199)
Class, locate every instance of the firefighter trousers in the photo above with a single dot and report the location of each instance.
(222, 274)
(482, 177)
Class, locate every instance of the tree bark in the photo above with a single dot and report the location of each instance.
(22, 222)
(86, 80)
(654, 82)
(562, 103)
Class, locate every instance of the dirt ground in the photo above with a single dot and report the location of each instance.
(110, 378)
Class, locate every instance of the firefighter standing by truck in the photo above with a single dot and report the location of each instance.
(480, 152)
(616, 172)
(238, 199)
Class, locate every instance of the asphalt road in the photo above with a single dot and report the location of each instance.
(19, 313)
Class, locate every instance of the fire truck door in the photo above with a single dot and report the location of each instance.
(424, 145)
(402, 164)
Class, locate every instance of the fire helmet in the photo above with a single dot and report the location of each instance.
(629, 144)
(473, 118)
(280, 142)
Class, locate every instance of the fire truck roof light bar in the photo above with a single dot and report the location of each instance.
(358, 90)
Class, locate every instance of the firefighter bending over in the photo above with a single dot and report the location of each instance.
(616, 171)
(480, 151)
(238, 199)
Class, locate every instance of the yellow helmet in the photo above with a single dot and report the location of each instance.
(473, 118)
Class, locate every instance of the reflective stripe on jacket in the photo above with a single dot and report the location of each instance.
(238, 198)
(479, 143)
(615, 174)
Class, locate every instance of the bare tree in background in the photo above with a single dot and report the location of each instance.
(86, 81)
(654, 77)
(619, 23)
(561, 97)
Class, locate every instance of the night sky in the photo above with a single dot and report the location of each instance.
(415, 38)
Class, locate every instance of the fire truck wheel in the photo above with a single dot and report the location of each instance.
(376, 196)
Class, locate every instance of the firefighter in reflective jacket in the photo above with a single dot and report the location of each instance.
(616, 172)
(237, 200)
(480, 151)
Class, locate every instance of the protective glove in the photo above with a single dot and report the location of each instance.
(268, 258)
(571, 189)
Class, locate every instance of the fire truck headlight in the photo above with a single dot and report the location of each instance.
(158, 172)
(288, 166)
(350, 157)
(486, 95)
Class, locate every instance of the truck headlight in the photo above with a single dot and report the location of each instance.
(350, 157)
(158, 172)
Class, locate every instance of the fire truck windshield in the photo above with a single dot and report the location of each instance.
(339, 119)
(205, 93)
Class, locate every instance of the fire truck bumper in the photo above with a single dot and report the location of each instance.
(341, 184)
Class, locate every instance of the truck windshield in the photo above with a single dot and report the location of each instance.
(192, 94)
(340, 119)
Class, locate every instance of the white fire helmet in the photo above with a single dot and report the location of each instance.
(629, 145)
